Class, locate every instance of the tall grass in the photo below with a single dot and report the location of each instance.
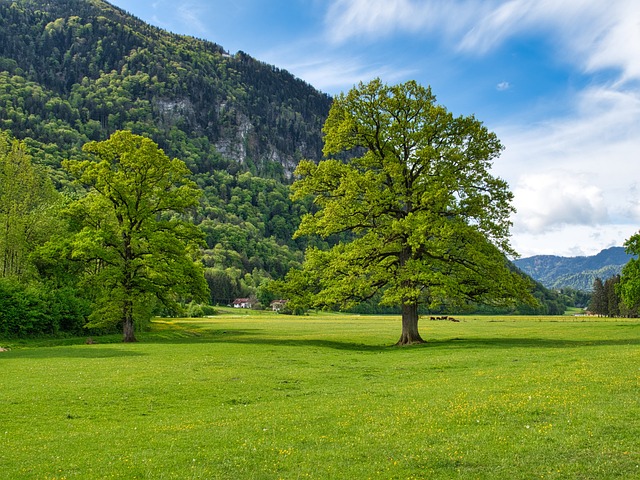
(326, 396)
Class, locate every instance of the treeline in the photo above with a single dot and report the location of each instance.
(36, 296)
(606, 300)
(247, 224)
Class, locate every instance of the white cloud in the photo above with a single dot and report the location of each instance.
(595, 34)
(577, 173)
(503, 86)
(331, 75)
(572, 240)
(554, 199)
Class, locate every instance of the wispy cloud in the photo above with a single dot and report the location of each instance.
(593, 33)
(596, 34)
(373, 19)
(191, 15)
(333, 74)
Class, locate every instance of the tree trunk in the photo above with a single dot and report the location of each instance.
(410, 333)
(128, 328)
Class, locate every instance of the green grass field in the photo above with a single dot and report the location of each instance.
(265, 396)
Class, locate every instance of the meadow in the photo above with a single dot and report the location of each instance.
(249, 395)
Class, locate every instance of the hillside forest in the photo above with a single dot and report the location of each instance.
(75, 73)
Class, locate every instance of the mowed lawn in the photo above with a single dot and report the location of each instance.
(266, 396)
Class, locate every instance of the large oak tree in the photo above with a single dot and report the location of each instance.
(426, 221)
(135, 244)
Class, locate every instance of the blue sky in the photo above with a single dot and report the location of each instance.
(558, 81)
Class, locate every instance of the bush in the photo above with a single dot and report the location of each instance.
(30, 310)
(22, 310)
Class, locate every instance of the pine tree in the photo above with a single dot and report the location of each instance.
(598, 304)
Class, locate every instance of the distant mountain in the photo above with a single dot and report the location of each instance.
(556, 272)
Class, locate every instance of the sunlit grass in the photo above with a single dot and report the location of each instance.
(245, 395)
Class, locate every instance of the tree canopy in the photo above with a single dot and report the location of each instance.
(629, 285)
(426, 220)
(136, 247)
(27, 198)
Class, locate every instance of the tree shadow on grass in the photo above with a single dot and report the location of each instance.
(78, 351)
(261, 337)
(257, 337)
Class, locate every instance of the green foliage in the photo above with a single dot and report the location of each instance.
(77, 71)
(608, 298)
(135, 247)
(33, 309)
(430, 224)
(27, 208)
(629, 287)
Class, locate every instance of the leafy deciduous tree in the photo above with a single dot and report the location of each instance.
(132, 238)
(429, 223)
(629, 286)
(27, 198)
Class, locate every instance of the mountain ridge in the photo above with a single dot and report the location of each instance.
(557, 272)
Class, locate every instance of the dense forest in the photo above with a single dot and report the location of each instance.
(77, 71)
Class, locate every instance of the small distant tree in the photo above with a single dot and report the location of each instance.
(598, 304)
(426, 220)
(613, 300)
(136, 247)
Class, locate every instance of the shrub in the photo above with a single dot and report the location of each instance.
(30, 310)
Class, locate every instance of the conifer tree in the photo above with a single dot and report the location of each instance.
(598, 304)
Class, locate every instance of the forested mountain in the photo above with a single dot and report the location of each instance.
(577, 273)
(77, 70)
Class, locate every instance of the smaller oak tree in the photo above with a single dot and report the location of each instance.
(131, 237)
(424, 219)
